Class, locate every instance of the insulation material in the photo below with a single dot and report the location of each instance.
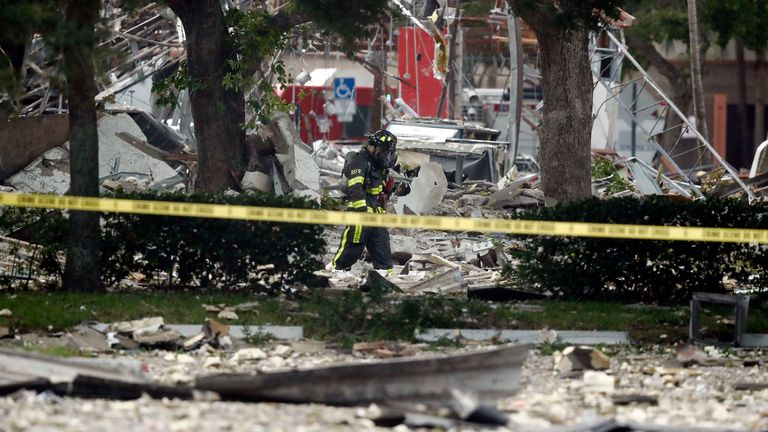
(427, 191)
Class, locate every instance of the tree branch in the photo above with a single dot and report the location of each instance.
(285, 20)
(647, 50)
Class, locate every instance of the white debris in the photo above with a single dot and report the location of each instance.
(599, 382)
(116, 155)
(49, 173)
(257, 181)
(282, 350)
(148, 325)
(6, 313)
(212, 362)
(427, 191)
(185, 359)
(307, 194)
(248, 354)
(228, 314)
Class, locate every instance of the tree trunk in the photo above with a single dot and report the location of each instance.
(219, 113)
(744, 138)
(82, 272)
(567, 86)
(378, 92)
(760, 83)
(697, 59)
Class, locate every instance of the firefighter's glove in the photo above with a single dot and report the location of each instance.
(389, 186)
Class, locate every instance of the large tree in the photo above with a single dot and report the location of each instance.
(562, 28)
(661, 21)
(229, 55)
(745, 22)
(82, 271)
(68, 29)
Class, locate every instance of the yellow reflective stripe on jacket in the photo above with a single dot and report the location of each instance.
(370, 210)
(375, 190)
(356, 180)
(357, 204)
(341, 248)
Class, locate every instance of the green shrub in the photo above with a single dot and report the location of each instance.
(198, 251)
(663, 272)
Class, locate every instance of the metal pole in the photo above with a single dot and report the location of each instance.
(634, 124)
(515, 86)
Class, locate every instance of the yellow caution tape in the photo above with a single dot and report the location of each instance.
(438, 223)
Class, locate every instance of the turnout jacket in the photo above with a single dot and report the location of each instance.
(364, 182)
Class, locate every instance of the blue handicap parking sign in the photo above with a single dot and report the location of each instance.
(344, 88)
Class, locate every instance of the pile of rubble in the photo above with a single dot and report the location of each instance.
(576, 388)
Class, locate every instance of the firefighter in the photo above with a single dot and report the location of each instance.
(368, 188)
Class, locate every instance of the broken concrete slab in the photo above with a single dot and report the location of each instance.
(50, 172)
(446, 282)
(44, 175)
(257, 181)
(525, 336)
(88, 339)
(434, 259)
(147, 325)
(163, 336)
(248, 354)
(115, 156)
(505, 197)
(228, 314)
(576, 358)
(427, 191)
(298, 167)
(487, 374)
(599, 382)
(308, 346)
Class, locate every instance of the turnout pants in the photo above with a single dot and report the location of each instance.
(355, 238)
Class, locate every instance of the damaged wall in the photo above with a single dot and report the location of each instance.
(24, 139)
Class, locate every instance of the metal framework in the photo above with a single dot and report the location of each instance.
(608, 60)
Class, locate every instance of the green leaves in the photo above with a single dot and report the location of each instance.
(629, 271)
(745, 20)
(191, 251)
(351, 20)
(568, 13)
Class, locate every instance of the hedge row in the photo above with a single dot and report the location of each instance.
(661, 272)
(193, 251)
